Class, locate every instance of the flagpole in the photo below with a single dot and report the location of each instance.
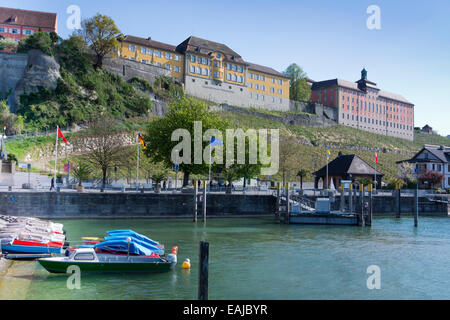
(375, 173)
(137, 161)
(209, 174)
(327, 165)
(56, 153)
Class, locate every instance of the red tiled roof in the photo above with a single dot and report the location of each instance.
(149, 43)
(28, 18)
(263, 69)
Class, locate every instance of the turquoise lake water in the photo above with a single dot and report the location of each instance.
(258, 259)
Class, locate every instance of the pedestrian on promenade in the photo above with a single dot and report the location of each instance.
(52, 186)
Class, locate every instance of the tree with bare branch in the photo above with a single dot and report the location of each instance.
(101, 144)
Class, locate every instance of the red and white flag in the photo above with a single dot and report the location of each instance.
(60, 135)
(376, 157)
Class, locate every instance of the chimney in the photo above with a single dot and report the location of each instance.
(149, 38)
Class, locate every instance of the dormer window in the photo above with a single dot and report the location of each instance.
(13, 19)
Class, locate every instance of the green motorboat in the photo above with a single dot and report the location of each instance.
(88, 260)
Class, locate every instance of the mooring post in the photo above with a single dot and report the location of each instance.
(342, 206)
(399, 199)
(203, 257)
(204, 202)
(370, 206)
(350, 198)
(288, 207)
(361, 198)
(195, 200)
(277, 213)
(416, 206)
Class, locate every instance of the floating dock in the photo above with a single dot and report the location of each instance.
(331, 218)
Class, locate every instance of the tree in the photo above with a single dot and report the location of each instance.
(8, 44)
(81, 172)
(181, 115)
(302, 174)
(299, 88)
(229, 175)
(432, 178)
(288, 158)
(103, 143)
(40, 40)
(101, 34)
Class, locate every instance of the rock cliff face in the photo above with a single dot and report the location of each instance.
(41, 71)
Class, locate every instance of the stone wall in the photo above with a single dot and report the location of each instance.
(52, 205)
(129, 69)
(302, 119)
(12, 67)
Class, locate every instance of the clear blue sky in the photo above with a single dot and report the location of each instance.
(410, 55)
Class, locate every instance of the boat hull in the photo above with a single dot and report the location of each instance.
(14, 248)
(108, 267)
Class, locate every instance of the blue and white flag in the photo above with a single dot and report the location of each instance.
(215, 142)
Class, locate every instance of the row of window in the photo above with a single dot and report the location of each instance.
(156, 53)
(158, 64)
(371, 97)
(377, 122)
(263, 78)
(262, 97)
(234, 67)
(235, 78)
(26, 32)
(201, 60)
(263, 88)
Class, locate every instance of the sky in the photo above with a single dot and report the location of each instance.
(409, 54)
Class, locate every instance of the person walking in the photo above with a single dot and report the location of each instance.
(52, 185)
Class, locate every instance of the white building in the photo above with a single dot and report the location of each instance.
(432, 158)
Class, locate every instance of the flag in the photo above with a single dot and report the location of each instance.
(215, 142)
(328, 152)
(60, 135)
(376, 157)
(144, 146)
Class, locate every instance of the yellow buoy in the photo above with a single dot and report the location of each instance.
(186, 264)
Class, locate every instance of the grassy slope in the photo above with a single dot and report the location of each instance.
(345, 139)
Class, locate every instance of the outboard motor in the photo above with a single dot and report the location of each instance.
(172, 257)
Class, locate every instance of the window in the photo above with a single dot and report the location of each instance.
(240, 69)
(192, 69)
(14, 31)
(2, 29)
(205, 71)
(193, 59)
(263, 88)
(158, 64)
(132, 48)
(263, 78)
(144, 61)
(198, 70)
(272, 90)
(143, 50)
(280, 82)
(229, 76)
(168, 56)
(257, 86)
(228, 66)
(168, 66)
(250, 75)
(176, 69)
(273, 80)
(84, 256)
(250, 85)
(280, 91)
(256, 76)
(234, 77)
(233, 67)
(28, 32)
(157, 53)
(176, 58)
(241, 79)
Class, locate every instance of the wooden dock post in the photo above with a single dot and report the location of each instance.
(360, 204)
(398, 203)
(342, 205)
(416, 207)
(195, 200)
(277, 213)
(204, 202)
(370, 207)
(288, 205)
(350, 198)
(203, 270)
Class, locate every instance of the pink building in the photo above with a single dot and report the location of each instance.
(364, 106)
(17, 23)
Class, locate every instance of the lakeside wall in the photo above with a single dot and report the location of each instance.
(52, 205)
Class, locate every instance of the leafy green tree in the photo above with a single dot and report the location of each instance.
(40, 40)
(299, 88)
(101, 34)
(81, 171)
(182, 115)
(302, 174)
(8, 44)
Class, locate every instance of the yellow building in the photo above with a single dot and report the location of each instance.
(212, 71)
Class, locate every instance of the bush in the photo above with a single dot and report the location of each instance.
(40, 40)
(8, 44)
